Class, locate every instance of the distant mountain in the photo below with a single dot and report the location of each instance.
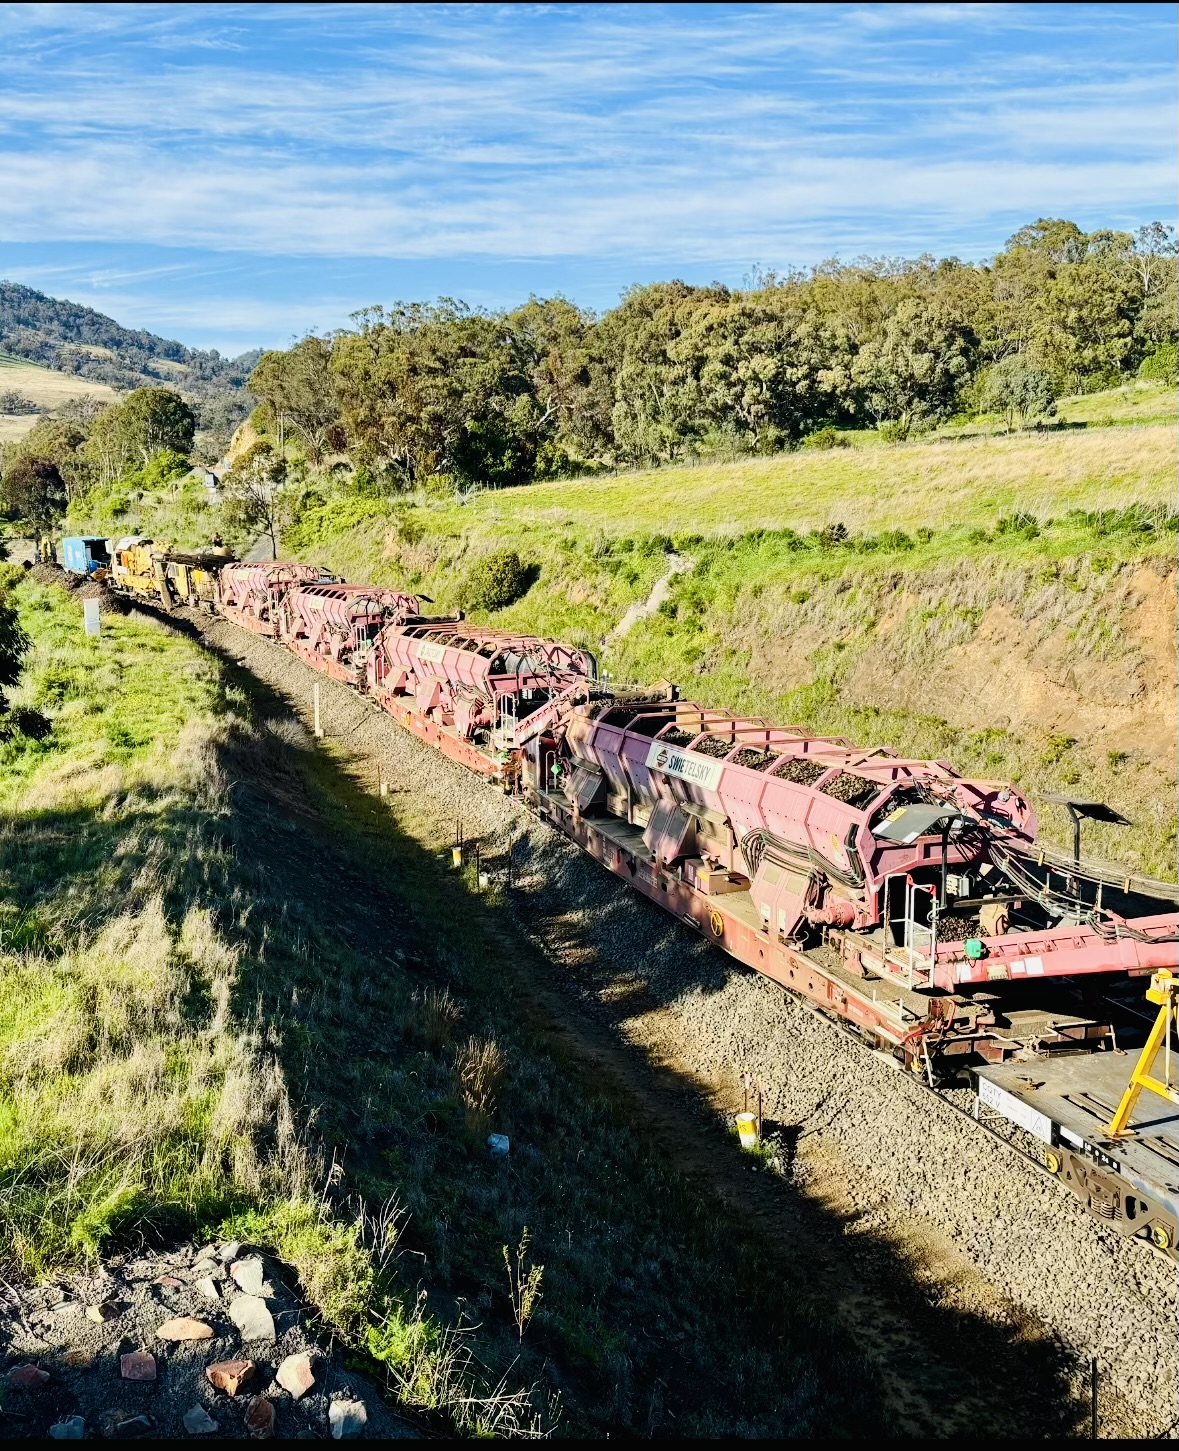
(75, 339)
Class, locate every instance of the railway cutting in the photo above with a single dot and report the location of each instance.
(914, 906)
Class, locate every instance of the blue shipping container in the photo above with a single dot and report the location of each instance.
(84, 556)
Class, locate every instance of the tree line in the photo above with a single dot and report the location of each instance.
(445, 396)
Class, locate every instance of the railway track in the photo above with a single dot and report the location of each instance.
(562, 754)
(895, 895)
(1003, 1237)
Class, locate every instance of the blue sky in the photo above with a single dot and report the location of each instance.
(235, 175)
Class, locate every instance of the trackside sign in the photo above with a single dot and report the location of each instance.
(699, 770)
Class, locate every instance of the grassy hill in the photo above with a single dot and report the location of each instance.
(1007, 603)
(43, 386)
(939, 483)
(52, 349)
(71, 338)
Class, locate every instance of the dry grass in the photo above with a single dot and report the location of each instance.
(479, 1071)
(45, 387)
(432, 1017)
(945, 483)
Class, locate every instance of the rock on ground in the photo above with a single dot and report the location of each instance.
(83, 1393)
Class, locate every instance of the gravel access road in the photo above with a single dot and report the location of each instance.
(978, 1229)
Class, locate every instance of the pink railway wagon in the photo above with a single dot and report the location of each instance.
(475, 694)
(911, 904)
(333, 626)
(250, 594)
(886, 890)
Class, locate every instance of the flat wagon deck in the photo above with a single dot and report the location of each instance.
(1132, 1181)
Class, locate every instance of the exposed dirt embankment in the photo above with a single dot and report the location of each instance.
(1101, 668)
(1057, 676)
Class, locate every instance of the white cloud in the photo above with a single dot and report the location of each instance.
(664, 134)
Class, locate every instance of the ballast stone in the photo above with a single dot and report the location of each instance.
(198, 1422)
(229, 1375)
(295, 1375)
(185, 1327)
(260, 1418)
(73, 1428)
(249, 1276)
(27, 1377)
(347, 1419)
(252, 1318)
(137, 1365)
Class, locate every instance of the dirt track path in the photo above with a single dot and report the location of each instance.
(977, 1286)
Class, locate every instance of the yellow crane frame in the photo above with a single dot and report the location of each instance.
(1164, 990)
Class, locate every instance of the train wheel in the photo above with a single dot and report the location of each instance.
(1052, 1162)
(1160, 1236)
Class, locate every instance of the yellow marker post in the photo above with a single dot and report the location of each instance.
(1164, 990)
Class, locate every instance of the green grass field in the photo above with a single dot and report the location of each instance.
(960, 482)
(1133, 403)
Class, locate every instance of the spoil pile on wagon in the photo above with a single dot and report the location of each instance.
(910, 903)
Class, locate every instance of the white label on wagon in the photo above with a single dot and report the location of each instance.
(431, 650)
(700, 770)
(1015, 1109)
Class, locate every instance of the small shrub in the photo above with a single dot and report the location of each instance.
(554, 461)
(164, 467)
(26, 722)
(832, 536)
(14, 402)
(440, 486)
(1020, 525)
(1161, 366)
(496, 581)
(410, 530)
(1055, 747)
(893, 430)
(479, 1069)
(825, 438)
